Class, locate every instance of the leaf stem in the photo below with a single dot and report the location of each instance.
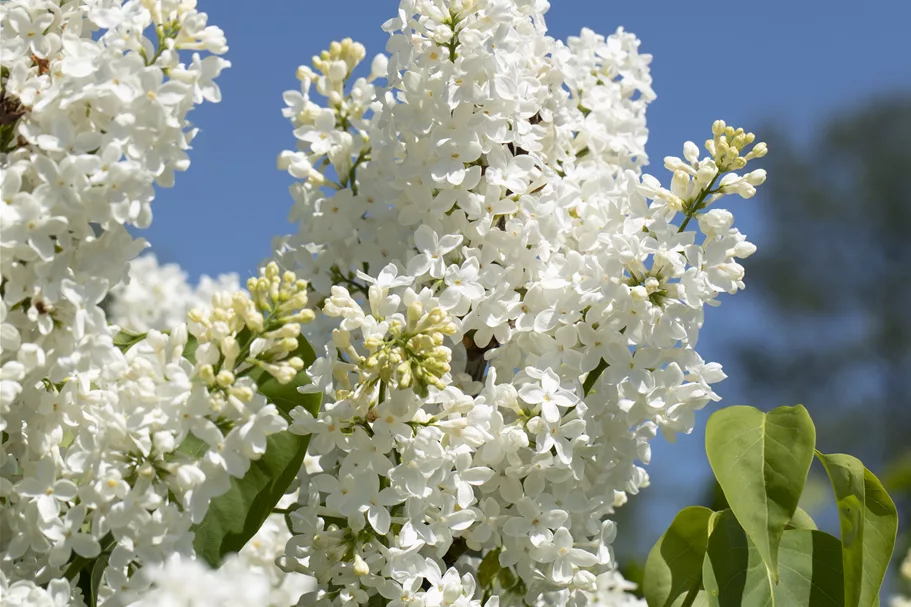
(698, 205)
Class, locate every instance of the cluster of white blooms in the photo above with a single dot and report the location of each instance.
(259, 556)
(159, 296)
(113, 443)
(614, 591)
(26, 593)
(249, 577)
(513, 307)
(510, 309)
(182, 582)
(898, 600)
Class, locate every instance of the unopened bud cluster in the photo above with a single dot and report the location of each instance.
(323, 131)
(338, 61)
(403, 351)
(242, 331)
(695, 183)
(727, 145)
(412, 355)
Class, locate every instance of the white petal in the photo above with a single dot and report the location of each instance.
(563, 571)
(85, 545)
(379, 519)
(582, 558)
(550, 412)
(477, 476)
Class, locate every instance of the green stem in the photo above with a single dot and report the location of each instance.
(352, 172)
(698, 204)
(162, 36)
(453, 43)
(339, 277)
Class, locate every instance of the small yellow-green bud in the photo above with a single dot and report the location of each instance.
(224, 378)
(207, 374)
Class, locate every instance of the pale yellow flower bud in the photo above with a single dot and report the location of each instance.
(206, 373)
(360, 566)
(224, 378)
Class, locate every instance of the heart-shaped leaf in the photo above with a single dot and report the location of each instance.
(801, 520)
(673, 570)
(869, 523)
(235, 516)
(761, 461)
(735, 575)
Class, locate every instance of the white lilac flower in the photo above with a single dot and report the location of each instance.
(510, 308)
(158, 296)
(495, 175)
(94, 117)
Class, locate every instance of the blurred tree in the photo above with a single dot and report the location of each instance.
(835, 283)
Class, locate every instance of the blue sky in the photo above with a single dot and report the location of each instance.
(791, 61)
(746, 62)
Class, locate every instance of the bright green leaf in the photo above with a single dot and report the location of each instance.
(761, 461)
(811, 570)
(125, 340)
(868, 521)
(489, 569)
(234, 517)
(189, 351)
(801, 520)
(674, 566)
(734, 574)
(700, 600)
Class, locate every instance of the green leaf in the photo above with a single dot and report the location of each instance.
(125, 340)
(285, 396)
(593, 376)
(761, 461)
(234, 517)
(735, 575)
(801, 520)
(869, 523)
(489, 569)
(700, 600)
(674, 566)
(189, 351)
(811, 570)
(101, 563)
(508, 580)
(733, 572)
